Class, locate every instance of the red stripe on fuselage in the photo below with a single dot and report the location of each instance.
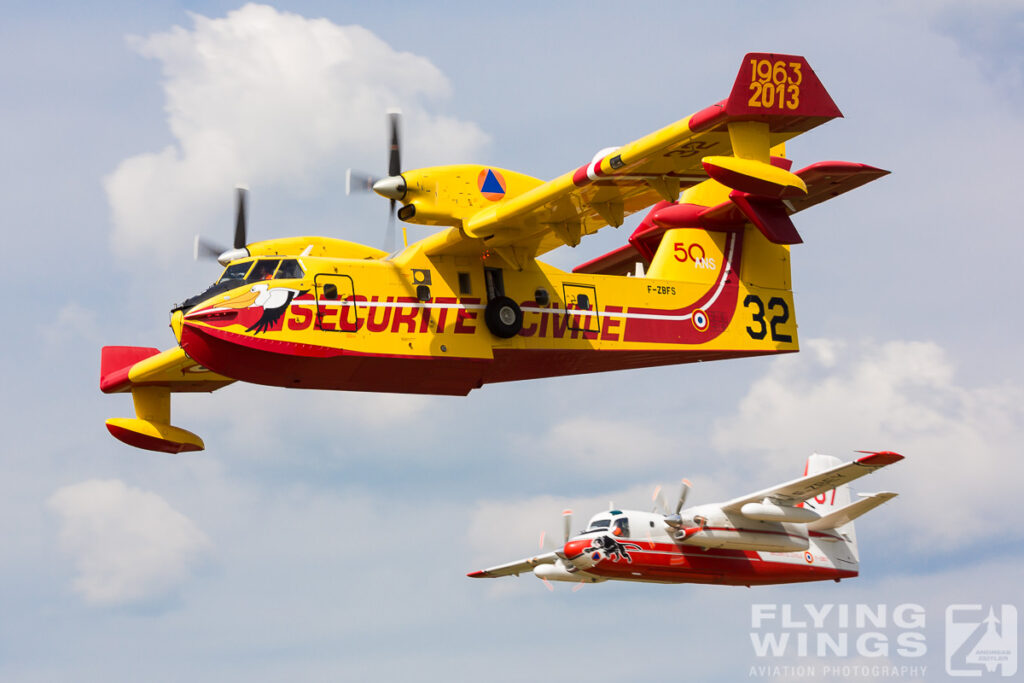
(277, 363)
(670, 563)
(719, 303)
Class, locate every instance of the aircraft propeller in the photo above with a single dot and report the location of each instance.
(205, 249)
(566, 530)
(659, 500)
(675, 519)
(683, 492)
(391, 186)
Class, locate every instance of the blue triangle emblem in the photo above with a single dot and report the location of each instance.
(491, 184)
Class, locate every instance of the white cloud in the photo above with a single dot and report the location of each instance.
(271, 99)
(75, 324)
(598, 445)
(128, 545)
(264, 422)
(960, 442)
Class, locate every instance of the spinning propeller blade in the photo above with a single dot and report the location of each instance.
(205, 249)
(358, 182)
(389, 234)
(658, 501)
(395, 151)
(240, 218)
(391, 186)
(675, 520)
(683, 492)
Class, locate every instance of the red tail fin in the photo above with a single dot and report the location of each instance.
(770, 85)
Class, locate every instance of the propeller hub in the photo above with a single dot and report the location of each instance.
(392, 187)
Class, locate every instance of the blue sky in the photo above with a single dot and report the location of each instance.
(325, 536)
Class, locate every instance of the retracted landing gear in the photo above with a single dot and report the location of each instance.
(503, 316)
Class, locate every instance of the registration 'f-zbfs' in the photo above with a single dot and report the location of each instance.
(705, 276)
(798, 531)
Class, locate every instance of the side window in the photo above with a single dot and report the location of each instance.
(289, 269)
(263, 270)
(621, 527)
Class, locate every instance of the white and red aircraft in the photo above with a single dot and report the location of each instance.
(801, 530)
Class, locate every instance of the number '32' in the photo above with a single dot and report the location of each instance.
(779, 315)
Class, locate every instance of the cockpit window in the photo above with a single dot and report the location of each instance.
(236, 271)
(289, 269)
(621, 527)
(599, 524)
(263, 270)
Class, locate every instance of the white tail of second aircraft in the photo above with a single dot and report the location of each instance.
(839, 537)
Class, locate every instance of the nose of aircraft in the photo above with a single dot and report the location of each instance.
(176, 319)
(575, 548)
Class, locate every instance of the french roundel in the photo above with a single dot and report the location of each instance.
(700, 320)
(809, 557)
(491, 184)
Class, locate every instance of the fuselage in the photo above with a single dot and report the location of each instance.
(637, 546)
(415, 323)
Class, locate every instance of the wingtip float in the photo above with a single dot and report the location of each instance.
(705, 276)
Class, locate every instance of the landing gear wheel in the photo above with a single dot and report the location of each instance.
(503, 316)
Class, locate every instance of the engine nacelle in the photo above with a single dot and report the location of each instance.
(448, 195)
(769, 512)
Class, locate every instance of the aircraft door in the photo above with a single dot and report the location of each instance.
(581, 307)
(337, 309)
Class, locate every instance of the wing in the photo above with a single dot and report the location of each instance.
(798, 490)
(517, 567)
(774, 98)
(125, 367)
(151, 376)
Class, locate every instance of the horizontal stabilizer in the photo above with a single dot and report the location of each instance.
(799, 490)
(769, 216)
(848, 513)
(824, 180)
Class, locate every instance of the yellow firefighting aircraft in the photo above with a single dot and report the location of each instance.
(705, 276)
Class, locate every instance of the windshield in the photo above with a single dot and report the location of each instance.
(236, 271)
(599, 524)
(264, 269)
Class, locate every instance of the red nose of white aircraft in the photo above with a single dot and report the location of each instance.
(574, 549)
